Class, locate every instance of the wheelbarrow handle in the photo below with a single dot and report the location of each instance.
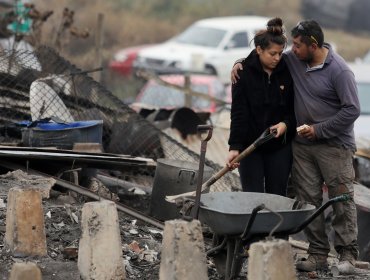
(245, 234)
(340, 198)
(251, 219)
(246, 238)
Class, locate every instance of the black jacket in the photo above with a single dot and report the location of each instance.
(259, 102)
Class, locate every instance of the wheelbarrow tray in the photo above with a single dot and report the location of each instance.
(227, 213)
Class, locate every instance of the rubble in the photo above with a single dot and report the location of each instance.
(124, 133)
(141, 244)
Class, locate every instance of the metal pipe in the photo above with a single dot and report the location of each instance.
(251, 220)
(218, 247)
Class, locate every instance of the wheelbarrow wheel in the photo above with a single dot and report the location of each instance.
(224, 264)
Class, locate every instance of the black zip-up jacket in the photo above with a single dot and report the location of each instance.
(260, 101)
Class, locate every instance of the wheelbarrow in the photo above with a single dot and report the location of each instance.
(232, 216)
(239, 218)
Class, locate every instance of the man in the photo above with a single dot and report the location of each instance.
(326, 106)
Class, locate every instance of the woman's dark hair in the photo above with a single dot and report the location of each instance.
(274, 33)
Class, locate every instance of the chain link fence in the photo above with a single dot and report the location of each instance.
(41, 85)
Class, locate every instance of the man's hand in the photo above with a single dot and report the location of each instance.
(232, 154)
(234, 72)
(307, 131)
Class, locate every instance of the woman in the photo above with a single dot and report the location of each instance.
(261, 99)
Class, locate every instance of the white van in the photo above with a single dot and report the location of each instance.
(210, 45)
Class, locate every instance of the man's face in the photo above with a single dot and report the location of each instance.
(301, 50)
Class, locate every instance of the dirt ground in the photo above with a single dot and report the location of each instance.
(141, 243)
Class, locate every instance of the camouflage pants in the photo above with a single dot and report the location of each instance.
(312, 166)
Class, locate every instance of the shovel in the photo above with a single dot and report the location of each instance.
(203, 148)
(263, 138)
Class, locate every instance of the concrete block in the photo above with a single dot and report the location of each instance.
(100, 249)
(271, 260)
(25, 230)
(22, 180)
(183, 253)
(25, 271)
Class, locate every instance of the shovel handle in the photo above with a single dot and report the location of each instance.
(264, 137)
(243, 154)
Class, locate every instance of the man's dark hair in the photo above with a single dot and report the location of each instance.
(310, 32)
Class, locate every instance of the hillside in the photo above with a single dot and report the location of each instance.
(129, 23)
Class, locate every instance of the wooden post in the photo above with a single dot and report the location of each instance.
(187, 89)
(98, 46)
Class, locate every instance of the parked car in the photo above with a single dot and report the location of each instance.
(155, 95)
(123, 59)
(209, 45)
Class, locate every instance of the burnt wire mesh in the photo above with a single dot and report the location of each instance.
(41, 85)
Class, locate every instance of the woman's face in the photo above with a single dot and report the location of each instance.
(270, 56)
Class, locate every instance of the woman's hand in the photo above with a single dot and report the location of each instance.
(232, 155)
(234, 72)
(280, 129)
